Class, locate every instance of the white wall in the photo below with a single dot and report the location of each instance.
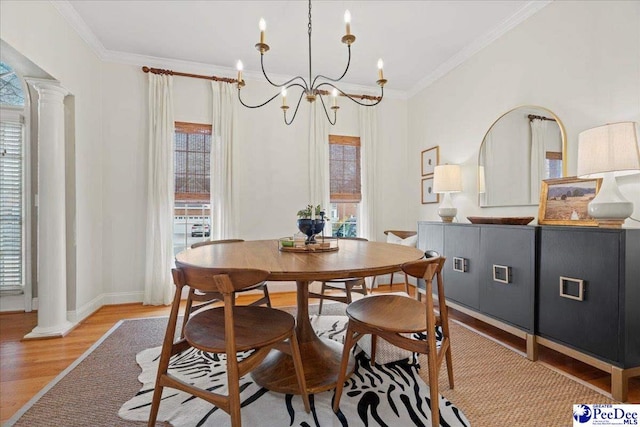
(38, 31)
(271, 160)
(581, 60)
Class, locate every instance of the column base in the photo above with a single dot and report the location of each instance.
(57, 331)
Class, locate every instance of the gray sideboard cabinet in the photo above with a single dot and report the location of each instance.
(490, 272)
(589, 298)
(575, 290)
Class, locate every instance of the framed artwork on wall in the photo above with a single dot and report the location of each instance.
(430, 159)
(564, 201)
(428, 195)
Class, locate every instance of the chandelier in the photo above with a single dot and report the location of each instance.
(314, 87)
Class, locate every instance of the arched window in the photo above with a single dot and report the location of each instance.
(11, 92)
(12, 181)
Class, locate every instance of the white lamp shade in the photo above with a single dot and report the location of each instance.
(609, 148)
(482, 186)
(447, 179)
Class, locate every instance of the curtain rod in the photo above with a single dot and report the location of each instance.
(534, 117)
(230, 80)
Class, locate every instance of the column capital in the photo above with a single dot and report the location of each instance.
(46, 87)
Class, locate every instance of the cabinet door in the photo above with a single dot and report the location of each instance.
(507, 274)
(590, 324)
(462, 266)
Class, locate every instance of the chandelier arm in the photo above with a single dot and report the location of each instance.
(339, 78)
(256, 106)
(326, 113)
(346, 95)
(295, 112)
(264, 73)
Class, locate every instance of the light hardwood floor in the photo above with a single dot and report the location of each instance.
(27, 366)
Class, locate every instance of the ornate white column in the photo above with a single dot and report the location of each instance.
(52, 270)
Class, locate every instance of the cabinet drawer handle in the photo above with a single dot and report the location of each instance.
(501, 273)
(460, 264)
(566, 292)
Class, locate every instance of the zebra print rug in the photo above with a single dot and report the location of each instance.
(386, 395)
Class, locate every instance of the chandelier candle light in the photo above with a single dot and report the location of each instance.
(311, 89)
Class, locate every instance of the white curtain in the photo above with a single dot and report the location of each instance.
(223, 143)
(368, 125)
(158, 287)
(318, 157)
(538, 143)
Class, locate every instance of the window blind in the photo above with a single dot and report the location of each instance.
(192, 162)
(344, 169)
(11, 205)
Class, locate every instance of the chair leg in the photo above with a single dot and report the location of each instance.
(348, 344)
(155, 404)
(187, 312)
(374, 346)
(266, 295)
(449, 364)
(321, 299)
(406, 283)
(432, 362)
(348, 285)
(234, 395)
(297, 363)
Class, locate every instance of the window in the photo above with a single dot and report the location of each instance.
(553, 164)
(192, 169)
(12, 182)
(345, 184)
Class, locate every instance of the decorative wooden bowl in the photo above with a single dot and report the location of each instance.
(506, 220)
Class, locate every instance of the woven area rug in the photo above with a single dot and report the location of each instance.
(494, 386)
(388, 395)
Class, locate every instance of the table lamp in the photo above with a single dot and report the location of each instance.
(607, 152)
(446, 180)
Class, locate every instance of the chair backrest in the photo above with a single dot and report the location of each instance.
(401, 233)
(427, 268)
(354, 238)
(214, 242)
(224, 281)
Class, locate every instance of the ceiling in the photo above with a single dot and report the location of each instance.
(418, 40)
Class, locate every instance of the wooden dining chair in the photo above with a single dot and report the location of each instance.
(402, 235)
(346, 285)
(391, 317)
(226, 330)
(197, 300)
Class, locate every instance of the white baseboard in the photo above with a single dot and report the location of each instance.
(101, 300)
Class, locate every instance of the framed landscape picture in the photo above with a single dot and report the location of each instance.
(428, 196)
(564, 201)
(430, 158)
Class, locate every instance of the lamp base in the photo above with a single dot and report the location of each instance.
(610, 223)
(447, 218)
(610, 208)
(446, 210)
(447, 214)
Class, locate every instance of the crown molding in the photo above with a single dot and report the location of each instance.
(77, 23)
(480, 43)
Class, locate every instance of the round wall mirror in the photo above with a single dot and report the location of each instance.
(521, 148)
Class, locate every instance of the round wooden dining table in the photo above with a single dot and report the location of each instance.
(321, 357)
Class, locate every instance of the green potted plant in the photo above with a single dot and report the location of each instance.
(311, 222)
